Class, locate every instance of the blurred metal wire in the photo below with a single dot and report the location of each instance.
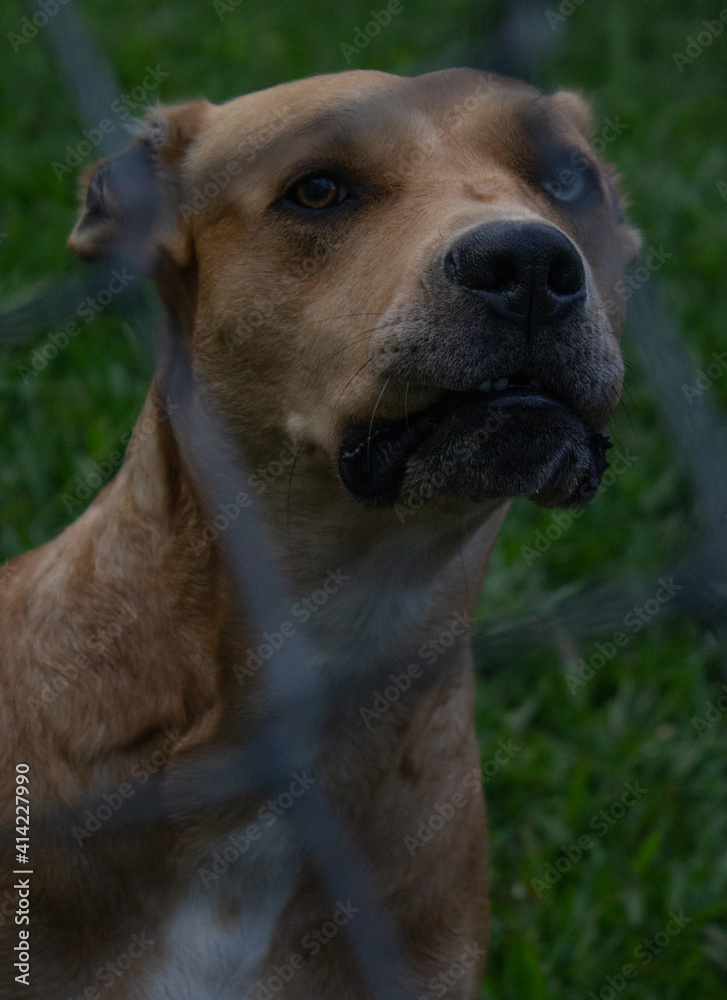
(521, 44)
(88, 75)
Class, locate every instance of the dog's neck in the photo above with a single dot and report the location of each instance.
(367, 577)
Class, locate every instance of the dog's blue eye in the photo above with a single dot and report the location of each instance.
(566, 183)
(317, 191)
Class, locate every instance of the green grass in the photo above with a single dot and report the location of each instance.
(632, 722)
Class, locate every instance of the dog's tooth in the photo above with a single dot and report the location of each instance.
(486, 385)
(501, 383)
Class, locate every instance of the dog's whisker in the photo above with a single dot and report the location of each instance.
(614, 434)
(371, 425)
(635, 370)
(626, 410)
(334, 319)
(287, 503)
(465, 578)
(340, 395)
(346, 347)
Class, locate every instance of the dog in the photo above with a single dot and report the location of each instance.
(399, 296)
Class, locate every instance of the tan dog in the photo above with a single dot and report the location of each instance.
(399, 296)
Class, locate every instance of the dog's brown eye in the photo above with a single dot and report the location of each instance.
(317, 192)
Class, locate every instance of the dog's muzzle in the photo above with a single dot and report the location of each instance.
(516, 299)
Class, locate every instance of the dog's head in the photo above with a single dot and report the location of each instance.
(413, 281)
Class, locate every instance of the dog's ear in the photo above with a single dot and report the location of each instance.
(574, 107)
(130, 200)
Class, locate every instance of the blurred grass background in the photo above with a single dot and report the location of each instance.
(633, 722)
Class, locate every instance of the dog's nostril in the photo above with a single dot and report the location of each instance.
(495, 272)
(565, 274)
(501, 274)
(530, 273)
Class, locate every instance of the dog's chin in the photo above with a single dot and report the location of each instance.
(476, 447)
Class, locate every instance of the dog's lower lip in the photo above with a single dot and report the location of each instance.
(372, 460)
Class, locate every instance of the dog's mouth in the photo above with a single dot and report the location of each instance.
(510, 437)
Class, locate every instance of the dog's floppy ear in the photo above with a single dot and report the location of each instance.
(130, 200)
(573, 106)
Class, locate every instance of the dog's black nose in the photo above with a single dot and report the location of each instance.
(526, 272)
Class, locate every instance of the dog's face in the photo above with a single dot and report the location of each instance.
(412, 279)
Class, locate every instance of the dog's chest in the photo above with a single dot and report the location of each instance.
(213, 941)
